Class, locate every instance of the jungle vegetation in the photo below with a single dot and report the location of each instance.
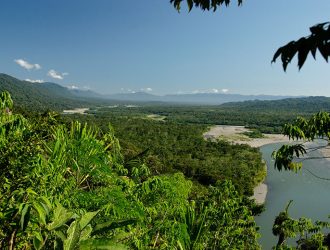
(169, 146)
(70, 183)
(70, 186)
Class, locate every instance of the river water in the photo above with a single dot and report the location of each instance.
(310, 195)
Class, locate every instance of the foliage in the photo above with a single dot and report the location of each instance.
(67, 187)
(308, 234)
(44, 97)
(290, 157)
(319, 39)
(203, 4)
(253, 134)
(168, 146)
(316, 127)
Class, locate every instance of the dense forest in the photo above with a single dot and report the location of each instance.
(130, 177)
(113, 169)
(265, 116)
(70, 185)
(168, 147)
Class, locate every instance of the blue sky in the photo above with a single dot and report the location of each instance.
(128, 45)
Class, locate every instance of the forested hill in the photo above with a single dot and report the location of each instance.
(309, 104)
(47, 95)
(41, 96)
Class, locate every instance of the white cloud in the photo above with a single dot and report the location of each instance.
(73, 87)
(132, 91)
(56, 75)
(27, 65)
(34, 81)
(146, 89)
(65, 74)
(205, 91)
(210, 91)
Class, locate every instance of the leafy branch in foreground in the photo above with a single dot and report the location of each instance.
(309, 234)
(288, 157)
(319, 39)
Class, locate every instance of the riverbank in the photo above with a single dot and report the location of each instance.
(234, 134)
(75, 111)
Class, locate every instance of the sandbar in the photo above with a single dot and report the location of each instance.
(234, 135)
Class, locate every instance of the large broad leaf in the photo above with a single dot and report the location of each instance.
(318, 39)
(86, 219)
(25, 216)
(60, 235)
(285, 155)
(38, 241)
(86, 233)
(73, 235)
(42, 212)
(61, 216)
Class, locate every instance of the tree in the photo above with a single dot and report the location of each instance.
(319, 39)
(203, 4)
(303, 130)
(318, 126)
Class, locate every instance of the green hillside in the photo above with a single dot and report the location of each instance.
(41, 96)
(309, 104)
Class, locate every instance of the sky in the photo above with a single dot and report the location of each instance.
(125, 46)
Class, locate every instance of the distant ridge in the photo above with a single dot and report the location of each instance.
(47, 95)
(200, 98)
(310, 104)
(42, 96)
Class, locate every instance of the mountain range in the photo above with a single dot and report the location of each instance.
(47, 95)
(199, 98)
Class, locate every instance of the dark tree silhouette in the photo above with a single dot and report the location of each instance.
(203, 4)
(319, 39)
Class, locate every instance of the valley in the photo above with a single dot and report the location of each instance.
(205, 148)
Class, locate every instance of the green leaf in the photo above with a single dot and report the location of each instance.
(73, 235)
(41, 212)
(46, 203)
(25, 217)
(61, 235)
(61, 216)
(37, 240)
(86, 218)
(86, 233)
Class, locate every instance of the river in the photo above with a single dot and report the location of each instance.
(310, 195)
